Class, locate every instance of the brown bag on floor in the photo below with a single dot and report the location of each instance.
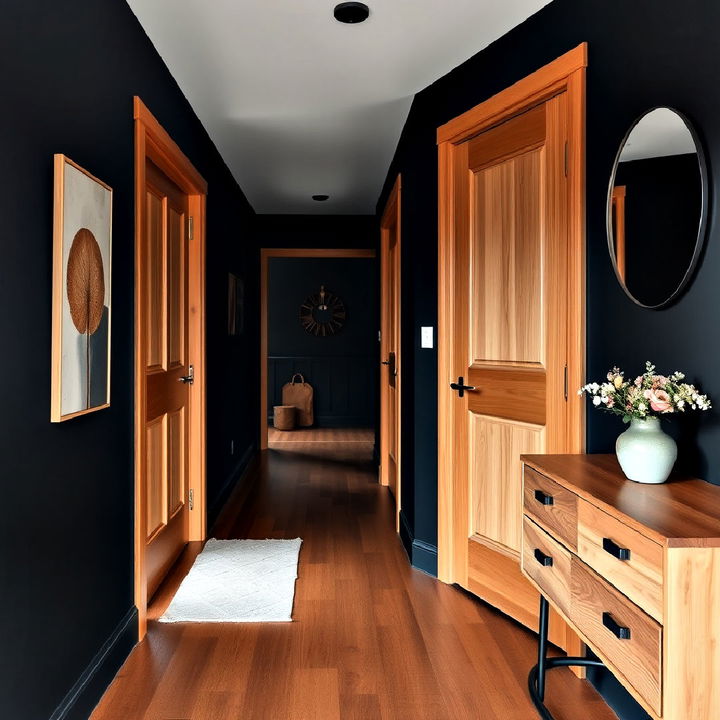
(299, 394)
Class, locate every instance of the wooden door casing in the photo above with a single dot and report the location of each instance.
(152, 143)
(390, 356)
(510, 320)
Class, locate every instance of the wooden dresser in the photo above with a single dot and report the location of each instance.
(635, 571)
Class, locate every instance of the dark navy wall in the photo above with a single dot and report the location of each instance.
(342, 368)
(70, 71)
(641, 54)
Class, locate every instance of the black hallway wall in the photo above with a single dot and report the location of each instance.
(342, 368)
(70, 72)
(641, 54)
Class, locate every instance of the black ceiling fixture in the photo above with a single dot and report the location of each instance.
(320, 198)
(351, 12)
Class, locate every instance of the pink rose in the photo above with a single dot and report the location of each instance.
(659, 401)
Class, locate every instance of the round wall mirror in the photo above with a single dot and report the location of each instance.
(657, 207)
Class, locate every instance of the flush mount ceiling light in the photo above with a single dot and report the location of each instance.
(320, 198)
(351, 12)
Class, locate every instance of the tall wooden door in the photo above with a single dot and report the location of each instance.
(168, 373)
(390, 347)
(508, 334)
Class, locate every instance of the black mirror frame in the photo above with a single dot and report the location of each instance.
(704, 211)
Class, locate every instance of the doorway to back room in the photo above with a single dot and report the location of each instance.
(321, 339)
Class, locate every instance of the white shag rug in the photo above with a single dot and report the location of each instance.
(238, 581)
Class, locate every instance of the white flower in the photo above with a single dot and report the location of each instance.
(642, 407)
(596, 400)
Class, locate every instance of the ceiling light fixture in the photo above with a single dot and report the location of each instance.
(351, 12)
(320, 198)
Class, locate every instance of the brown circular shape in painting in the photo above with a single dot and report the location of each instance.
(85, 282)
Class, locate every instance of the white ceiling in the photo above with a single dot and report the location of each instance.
(299, 104)
(660, 133)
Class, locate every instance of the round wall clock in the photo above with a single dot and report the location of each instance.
(323, 313)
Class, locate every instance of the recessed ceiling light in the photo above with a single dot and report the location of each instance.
(320, 198)
(351, 12)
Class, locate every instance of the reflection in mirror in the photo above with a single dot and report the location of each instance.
(656, 207)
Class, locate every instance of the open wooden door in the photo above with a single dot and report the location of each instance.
(390, 347)
(169, 355)
(511, 333)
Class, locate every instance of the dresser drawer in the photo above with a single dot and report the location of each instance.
(625, 558)
(551, 505)
(621, 632)
(547, 563)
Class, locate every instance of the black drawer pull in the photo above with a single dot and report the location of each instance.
(543, 498)
(615, 550)
(543, 559)
(620, 632)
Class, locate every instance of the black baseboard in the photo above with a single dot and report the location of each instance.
(243, 463)
(614, 694)
(422, 555)
(85, 694)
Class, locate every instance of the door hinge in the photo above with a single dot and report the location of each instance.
(565, 383)
(566, 158)
(191, 499)
(190, 226)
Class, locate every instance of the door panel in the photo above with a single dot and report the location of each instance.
(509, 337)
(166, 320)
(390, 348)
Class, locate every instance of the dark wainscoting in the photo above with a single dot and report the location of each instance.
(345, 387)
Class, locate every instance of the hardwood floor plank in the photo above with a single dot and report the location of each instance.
(371, 638)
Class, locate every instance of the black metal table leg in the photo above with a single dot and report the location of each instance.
(536, 678)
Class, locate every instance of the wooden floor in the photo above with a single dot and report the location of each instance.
(371, 637)
(364, 435)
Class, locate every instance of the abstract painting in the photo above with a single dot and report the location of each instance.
(82, 261)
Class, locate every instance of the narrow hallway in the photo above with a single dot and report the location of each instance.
(371, 637)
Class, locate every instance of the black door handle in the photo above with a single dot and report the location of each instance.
(542, 558)
(615, 550)
(620, 632)
(544, 498)
(461, 387)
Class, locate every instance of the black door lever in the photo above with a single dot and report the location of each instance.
(461, 387)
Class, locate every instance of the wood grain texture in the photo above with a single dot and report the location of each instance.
(560, 518)
(527, 92)
(637, 660)
(155, 149)
(372, 638)
(511, 209)
(692, 638)
(495, 474)
(554, 580)
(390, 346)
(683, 512)
(513, 393)
(641, 576)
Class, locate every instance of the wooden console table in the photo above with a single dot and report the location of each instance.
(635, 570)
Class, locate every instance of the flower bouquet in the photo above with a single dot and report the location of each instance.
(645, 453)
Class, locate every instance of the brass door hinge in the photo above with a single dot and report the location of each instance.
(190, 226)
(191, 499)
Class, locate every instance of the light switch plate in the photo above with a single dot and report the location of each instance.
(426, 337)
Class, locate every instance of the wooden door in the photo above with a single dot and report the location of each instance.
(510, 339)
(390, 346)
(167, 372)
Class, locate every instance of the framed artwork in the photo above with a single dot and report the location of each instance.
(81, 301)
(236, 305)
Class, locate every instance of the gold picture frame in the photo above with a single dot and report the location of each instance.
(81, 295)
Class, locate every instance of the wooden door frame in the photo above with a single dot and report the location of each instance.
(392, 213)
(265, 255)
(566, 74)
(153, 143)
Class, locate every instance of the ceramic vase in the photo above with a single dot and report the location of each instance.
(645, 453)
